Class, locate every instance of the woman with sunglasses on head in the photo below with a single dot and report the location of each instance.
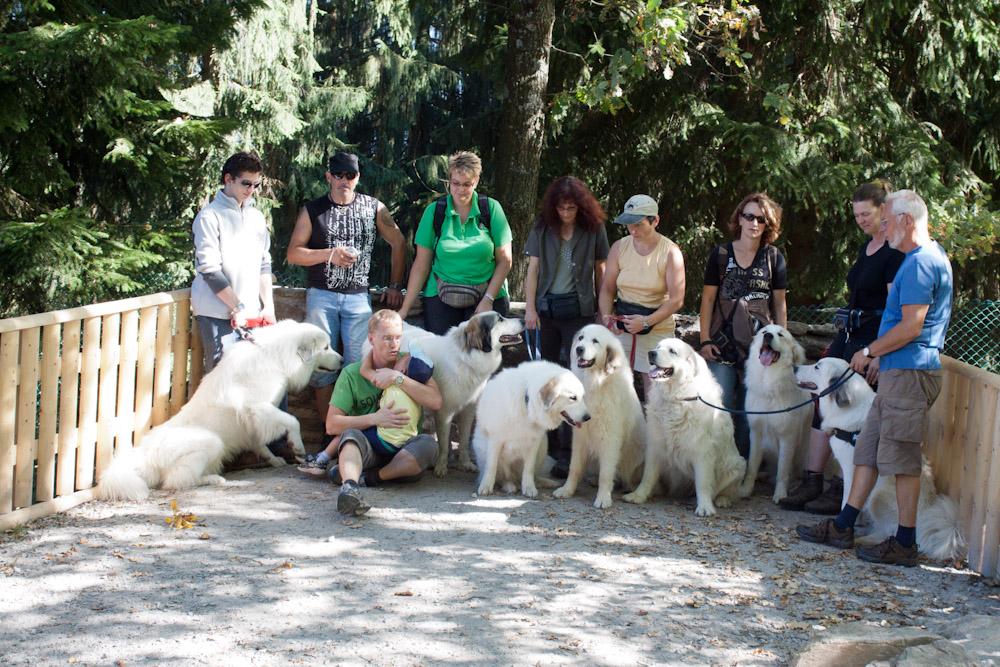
(567, 249)
(744, 290)
(868, 284)
(463, 267)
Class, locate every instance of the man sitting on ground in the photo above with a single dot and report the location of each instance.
(356, 416)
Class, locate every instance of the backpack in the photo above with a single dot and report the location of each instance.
(441, 207)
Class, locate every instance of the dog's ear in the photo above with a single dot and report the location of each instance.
(549, 392)
(846, 395)
(614, 358)
(479, 333)
(798, 354)
(307, 350)
(698, 364)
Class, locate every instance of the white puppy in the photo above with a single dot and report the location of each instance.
(614, 436)
(234, 409)
(688, 440)
(844, 413)
(517, 408)
(770, 384)
(464, 359)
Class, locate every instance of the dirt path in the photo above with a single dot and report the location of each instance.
(271, 575)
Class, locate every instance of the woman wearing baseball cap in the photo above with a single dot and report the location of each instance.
(643, 284)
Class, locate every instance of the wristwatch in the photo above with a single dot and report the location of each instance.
(397, 286)
(399, 379)
(238, 309)
(865, 351)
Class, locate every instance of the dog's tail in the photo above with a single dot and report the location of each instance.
(124, 478)
(938, 531)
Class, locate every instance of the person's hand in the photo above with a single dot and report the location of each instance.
(238, 320)
(268, 316)
(633, 323)
(710, 352)
(859, 362)
(872, 375)
(485, 306)
(343, 256)
(530, 319)
(387, 417)
(384, 377)
(392, 297)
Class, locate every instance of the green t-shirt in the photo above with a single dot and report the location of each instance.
(464, 255)
(353, 394)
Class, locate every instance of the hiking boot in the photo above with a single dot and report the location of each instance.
(889, 552)
(830, 501)
(810, 488)
(350, 502)
(826, 532)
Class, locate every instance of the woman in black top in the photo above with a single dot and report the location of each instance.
(868, 285)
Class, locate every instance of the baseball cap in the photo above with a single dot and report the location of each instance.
(637, 208)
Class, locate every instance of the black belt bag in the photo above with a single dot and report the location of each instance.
(560, 306)
(629, 308)
(849, 319)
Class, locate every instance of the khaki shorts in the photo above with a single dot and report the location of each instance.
(897, 422)
(422, 447)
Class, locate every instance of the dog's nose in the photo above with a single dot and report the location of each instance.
(579, 351)
(586, 417)
(651, 356)
(768, 337)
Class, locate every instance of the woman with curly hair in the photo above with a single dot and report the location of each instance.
(567, 249)
(744, 290)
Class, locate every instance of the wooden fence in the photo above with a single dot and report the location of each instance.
(77, 385)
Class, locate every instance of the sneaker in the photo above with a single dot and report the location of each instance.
(334, 474)
(830, 501)
(350, 502)
(810, 488)
(311, 466)
(826, 532)
(889, 552)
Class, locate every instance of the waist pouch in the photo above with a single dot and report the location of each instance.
(460, 296)
(560, 306)
(849, 319)
(629, 308)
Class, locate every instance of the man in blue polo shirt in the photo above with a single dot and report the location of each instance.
(907, 357)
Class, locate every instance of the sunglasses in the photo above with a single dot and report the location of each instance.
(749, 217)
(345, 175)
(251, 184)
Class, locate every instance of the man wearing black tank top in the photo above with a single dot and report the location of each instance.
(333, 238)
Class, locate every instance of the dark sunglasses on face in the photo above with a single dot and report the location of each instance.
(345, 175)
(251, 184)
(749, 217)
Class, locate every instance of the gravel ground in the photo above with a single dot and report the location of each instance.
(269, 574)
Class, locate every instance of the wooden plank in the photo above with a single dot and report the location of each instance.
(939, 447)
(144, 371)
(60, 504)
(125, 414)
(89, 373)
(197, 362)
(988, 564)
(163, 364)
(969, 454)
(27, 408)
(10, 346)
(48, 413)
(179, 372)
(956, 435)
(92, 310)
(107, 391)
(980, 487)
(970, 371)
(68, 402)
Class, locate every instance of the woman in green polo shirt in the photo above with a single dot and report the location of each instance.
(464, 271)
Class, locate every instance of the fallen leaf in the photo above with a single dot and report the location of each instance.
(407, 594)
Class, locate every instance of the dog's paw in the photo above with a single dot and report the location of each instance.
(779, 493)
(706, 509)
(724, 502)
(277, 462)
(441, 470)
(530, 492)
(635, 498)
(603, 501)
(468, 466)
(213, 480)
(510, 487)
(563, 492)
(746, 489)
(485, 490)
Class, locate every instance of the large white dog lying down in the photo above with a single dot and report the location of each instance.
(615, 435)
(517, 408)
(688, 440)
(770, 383)
(234, 409)
(844, 412)
(464, 359)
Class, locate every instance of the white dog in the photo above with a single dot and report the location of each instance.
(770, 384)
(844, 412)
(464, 359)
(517, 408)
(234, 409)
(688, 440)
(616, 432)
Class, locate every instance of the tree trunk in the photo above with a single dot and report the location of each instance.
(522, 124)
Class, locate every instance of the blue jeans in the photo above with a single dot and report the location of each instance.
(216, 335)
(343, 317)
(734, 395)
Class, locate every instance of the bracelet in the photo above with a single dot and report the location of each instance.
(487, 295)
(704, 343)
(397, 286)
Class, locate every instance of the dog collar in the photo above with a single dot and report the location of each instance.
(850, 437)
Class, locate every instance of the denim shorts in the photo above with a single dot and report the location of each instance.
(344, 317)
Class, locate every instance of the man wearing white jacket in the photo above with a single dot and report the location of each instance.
(232, 257)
